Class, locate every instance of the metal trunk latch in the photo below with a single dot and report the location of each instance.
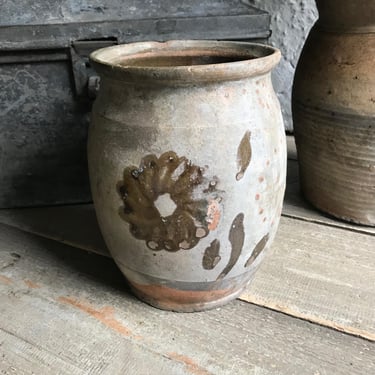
(86, 80)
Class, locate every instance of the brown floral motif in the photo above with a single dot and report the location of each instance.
(194, 202)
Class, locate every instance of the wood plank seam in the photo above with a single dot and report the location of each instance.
(368, 336)
(253, 299)
(191, 366)
(332, 225)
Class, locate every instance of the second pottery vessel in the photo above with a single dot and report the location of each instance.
(334, 111)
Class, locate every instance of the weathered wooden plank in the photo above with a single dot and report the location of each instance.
(104, 354)
(73, 307)
(323, 274)
(305, 254)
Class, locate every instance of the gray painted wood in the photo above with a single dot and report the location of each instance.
(322, 274)
(68, 11)
(68, 312)
(313, 272)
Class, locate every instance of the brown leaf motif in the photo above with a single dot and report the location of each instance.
(257, 250)
(236, 238)
(212, 255)
(243, 155)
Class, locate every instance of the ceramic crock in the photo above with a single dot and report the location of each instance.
(187, 161)
(334, 111)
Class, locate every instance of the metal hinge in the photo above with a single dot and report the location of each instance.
(86, 80)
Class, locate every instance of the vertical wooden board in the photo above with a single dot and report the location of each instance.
(322, 274)
(74, 306)
(296, 279)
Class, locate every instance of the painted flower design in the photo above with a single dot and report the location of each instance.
(190, 208)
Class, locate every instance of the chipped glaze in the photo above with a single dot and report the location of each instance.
(183, 171)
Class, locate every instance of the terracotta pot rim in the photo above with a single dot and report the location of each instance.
(245, 60)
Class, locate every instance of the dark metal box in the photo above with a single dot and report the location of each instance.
(47, 84)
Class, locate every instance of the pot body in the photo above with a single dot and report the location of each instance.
(334, 111)
(187, 167)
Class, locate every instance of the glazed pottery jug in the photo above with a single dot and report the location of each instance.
(334, 111)
(187, 162)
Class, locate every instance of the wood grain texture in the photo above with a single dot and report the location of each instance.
(313, 272)
(322, 274)
(82, 319)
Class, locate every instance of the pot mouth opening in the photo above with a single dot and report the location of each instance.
(173, 59)
(183, 58)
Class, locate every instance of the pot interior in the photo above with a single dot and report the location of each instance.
(185, 61)
(183, 58)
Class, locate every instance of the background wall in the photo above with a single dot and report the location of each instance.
(291, 21)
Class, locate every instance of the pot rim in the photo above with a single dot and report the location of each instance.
(254, 59)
